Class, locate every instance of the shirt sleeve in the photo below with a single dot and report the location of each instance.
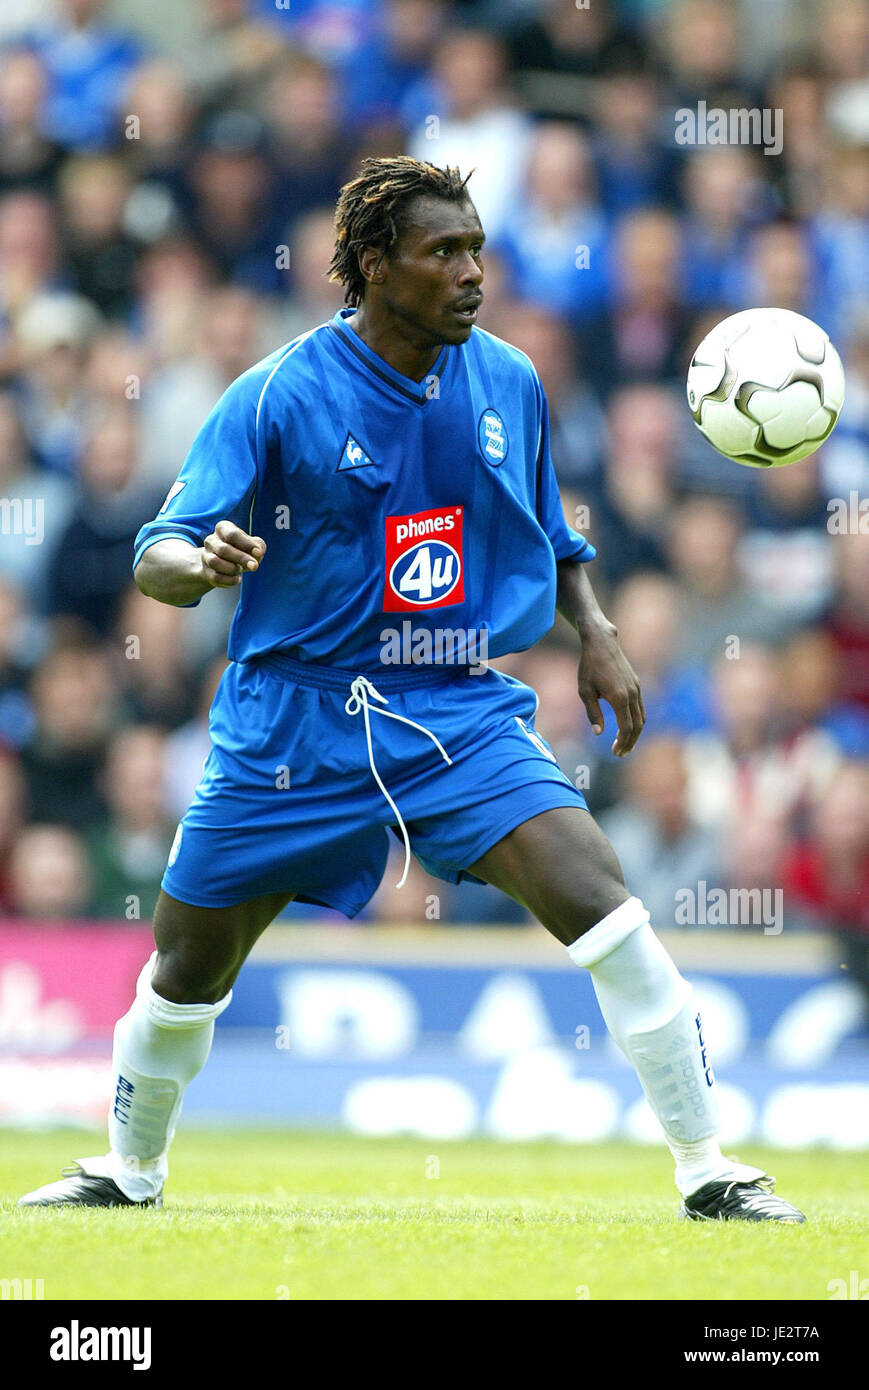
(567, 543)
(218, 479)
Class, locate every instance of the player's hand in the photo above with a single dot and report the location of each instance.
(229, 553)
(606, 674)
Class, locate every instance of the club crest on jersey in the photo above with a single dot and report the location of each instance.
(424, 560)
(493, 437)
(353, 456)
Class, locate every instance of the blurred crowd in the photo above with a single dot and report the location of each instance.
(166, 219)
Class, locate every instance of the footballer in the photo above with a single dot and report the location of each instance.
(391, 466)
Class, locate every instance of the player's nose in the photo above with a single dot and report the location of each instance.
(471, 272)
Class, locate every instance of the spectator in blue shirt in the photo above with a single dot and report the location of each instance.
(88, 64)
(556, 240)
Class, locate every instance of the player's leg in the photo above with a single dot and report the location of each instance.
(161, 1044)
(200, 950)
(165, 1039)
(561, 866)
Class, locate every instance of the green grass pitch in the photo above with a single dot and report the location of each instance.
(273, 1215)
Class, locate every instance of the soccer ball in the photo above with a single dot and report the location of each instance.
(766, 387)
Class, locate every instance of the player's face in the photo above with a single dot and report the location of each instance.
(432, 276)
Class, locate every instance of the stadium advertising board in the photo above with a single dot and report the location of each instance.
(442, 1035)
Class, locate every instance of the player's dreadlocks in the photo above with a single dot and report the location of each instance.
(372, 211)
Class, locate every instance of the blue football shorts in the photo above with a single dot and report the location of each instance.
(310, 766)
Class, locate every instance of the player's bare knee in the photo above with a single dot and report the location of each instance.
(609, 894)
(586, 897)
(182, 981)
(598, 890)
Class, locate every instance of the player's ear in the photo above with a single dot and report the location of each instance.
(371, 264)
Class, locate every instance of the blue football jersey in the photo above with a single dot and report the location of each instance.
(388, 506)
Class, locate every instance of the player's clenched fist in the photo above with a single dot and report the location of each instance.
(228, 553)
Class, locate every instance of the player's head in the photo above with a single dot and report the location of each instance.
(408, 242)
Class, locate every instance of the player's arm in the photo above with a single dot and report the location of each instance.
(604, 671)
(173, 571)
(200, 538)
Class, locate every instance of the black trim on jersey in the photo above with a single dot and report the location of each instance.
(345, 337)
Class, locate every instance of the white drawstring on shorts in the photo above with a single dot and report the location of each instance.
(362, 688)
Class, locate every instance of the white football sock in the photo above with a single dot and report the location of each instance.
(158, 1049)
(650, 1011)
